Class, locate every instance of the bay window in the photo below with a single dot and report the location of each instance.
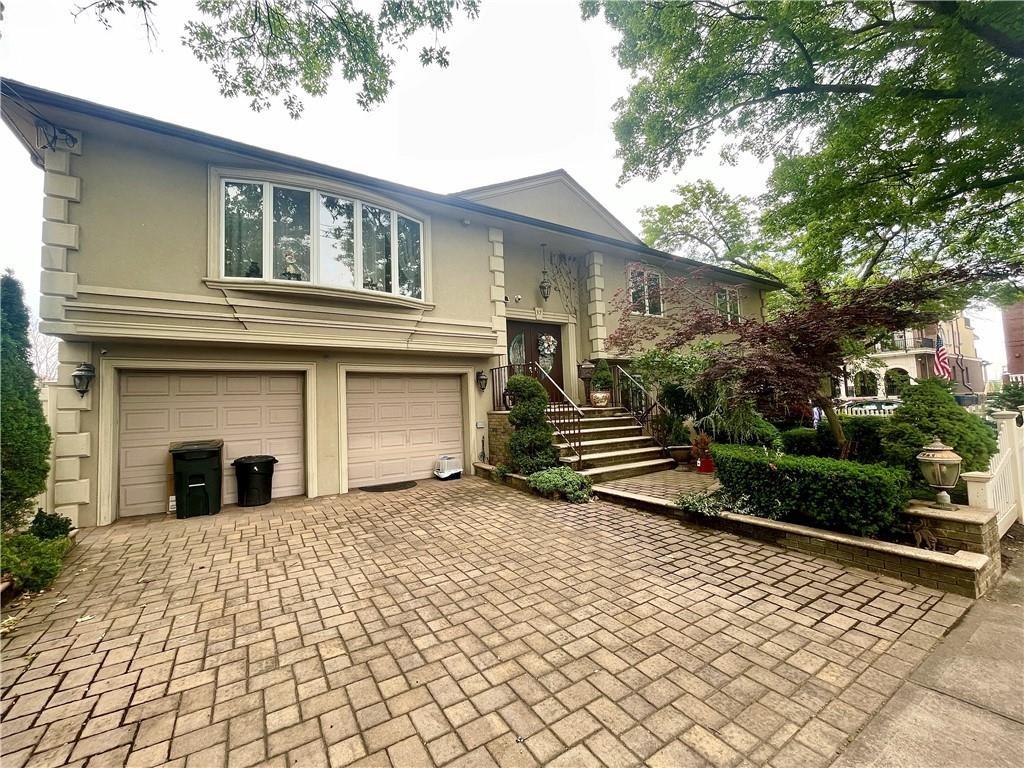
(281, 232)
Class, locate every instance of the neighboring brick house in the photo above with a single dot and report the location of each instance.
(1013, 334)
(338, 321)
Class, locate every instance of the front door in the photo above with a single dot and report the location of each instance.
(538, 343)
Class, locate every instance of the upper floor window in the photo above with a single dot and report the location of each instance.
(727, 302)
(280, 232)
(645, 291)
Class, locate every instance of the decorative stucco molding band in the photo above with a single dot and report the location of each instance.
(596, 307)
(498, 322)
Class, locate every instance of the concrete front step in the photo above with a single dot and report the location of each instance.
(601, 433)
(608, 444)
(619, 471)
(597, 421)
(613, 458)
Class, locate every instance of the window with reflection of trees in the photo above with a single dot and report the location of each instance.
(320, 238)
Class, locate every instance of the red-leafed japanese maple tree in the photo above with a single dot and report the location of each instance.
(790, 359)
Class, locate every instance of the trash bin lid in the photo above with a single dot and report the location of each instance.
(254, 460)
(196, 445)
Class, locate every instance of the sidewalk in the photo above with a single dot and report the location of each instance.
(964, 706)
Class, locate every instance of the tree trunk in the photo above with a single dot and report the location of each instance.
(834, 423)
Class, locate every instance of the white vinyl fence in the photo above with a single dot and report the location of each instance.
(1002, 487)
(862, 410)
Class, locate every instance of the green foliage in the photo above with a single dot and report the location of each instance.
(758, 432)
(711, 504)
(530, 446)
(894, 127)
(562, 480)
(32, 563)
(1009, 398)
(801, 441)
(278, 47)
(844, 496)
(929, 411)
(863, 433)
(24, 435)
(50, 525)
(602, 380)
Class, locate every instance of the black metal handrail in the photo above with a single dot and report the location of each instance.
(562, 413)
(641, 404)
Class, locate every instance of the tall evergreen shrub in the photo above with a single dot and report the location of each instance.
(530, 447)
(24, 435)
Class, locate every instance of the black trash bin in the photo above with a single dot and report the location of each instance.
(255, 475)
(197, 477)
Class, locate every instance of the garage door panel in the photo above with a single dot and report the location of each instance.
(253, 413)
(241, 384)
(246, 416)
(391, 384)
(279, 414)
(449, 410)
(391, 411)
(146, 421)
(183, 384)
(146, 385)
(195, 419)
(283, 385)
(399, 424)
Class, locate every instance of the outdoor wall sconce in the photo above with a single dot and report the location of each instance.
(545, 283)
(941, 469)
(481, 380)
(82, 378)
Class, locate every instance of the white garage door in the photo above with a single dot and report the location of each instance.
(253, 413)
(399, 425)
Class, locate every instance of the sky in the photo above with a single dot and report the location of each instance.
(531, 88)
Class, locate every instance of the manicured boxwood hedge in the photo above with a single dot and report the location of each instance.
(843, 496)
(801, 441)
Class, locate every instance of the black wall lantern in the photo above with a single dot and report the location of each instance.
(481, 380)
(82, 378)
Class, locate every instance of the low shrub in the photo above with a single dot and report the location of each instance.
(801, 441)
(863, 433)
(759, 432)
(843, 496)
(49, 525)
(32, 563)
(562, 480)
(530, 447)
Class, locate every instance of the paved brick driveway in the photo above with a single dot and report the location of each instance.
(456, 623)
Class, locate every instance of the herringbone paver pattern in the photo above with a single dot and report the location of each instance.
(460, 624)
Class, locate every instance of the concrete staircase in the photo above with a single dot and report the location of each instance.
(613, 445)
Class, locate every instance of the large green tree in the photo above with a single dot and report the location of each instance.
(269, 49)
(24, 435)
(895, 127)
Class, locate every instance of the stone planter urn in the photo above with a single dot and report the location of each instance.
(681, 453)
(600, 399)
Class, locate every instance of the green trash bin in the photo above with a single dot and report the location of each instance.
(197, 477)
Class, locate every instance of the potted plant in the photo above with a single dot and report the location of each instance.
(680, 440)
(702, 450)
(601, 385)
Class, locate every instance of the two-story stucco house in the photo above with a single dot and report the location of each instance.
(337, 321)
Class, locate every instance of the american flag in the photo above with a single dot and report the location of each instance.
(942, 368)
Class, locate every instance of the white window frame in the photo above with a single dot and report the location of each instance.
(219, 178)
(732, 296)
(646, 271)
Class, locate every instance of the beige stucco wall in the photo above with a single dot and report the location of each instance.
(551, 200)
(751, 299)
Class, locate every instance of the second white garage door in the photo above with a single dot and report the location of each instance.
(398, 426)
(253, 413)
